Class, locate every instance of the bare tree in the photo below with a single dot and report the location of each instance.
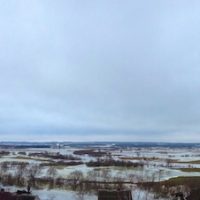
(168, 163)
(106, 174)
(3, 168)
(33, 172)
(93, 175)
(76, 177)
(20, 172)
(52, 171)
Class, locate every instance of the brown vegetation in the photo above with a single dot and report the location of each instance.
(54, 156)
(90, 152)
(111, 162)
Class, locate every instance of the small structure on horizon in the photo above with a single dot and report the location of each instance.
(115, 195)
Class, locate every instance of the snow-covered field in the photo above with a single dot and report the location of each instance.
(159, 163)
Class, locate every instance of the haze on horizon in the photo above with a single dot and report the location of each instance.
(100, 70)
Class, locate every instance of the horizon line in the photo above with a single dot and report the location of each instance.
(161, 142)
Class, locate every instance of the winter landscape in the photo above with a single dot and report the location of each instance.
(56, 171)
(99, 100)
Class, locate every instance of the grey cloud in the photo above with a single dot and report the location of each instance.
(111, 67)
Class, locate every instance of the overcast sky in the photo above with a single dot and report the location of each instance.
(79, 70)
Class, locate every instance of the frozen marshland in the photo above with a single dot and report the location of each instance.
(58, 171)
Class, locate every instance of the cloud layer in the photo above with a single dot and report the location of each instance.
(100, 70)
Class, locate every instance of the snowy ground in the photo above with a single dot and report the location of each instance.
(155, 160)
(137, 194)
